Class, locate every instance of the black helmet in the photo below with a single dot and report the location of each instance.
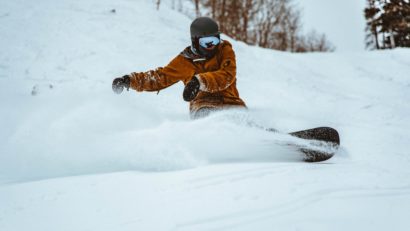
(203, 27)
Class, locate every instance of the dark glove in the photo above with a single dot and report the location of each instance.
(191, 89)
(119, 83)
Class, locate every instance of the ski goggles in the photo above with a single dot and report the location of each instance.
(209, 42)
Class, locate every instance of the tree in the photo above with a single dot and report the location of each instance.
(293, 26)
(197, 13)
(314, 42)
(267, 23)
(395, 21)
(371, 14)
(388, 24)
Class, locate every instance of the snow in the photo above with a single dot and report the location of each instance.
(75, 156)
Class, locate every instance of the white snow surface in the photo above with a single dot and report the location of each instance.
(75, 156)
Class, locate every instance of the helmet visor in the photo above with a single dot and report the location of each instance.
(209, 42)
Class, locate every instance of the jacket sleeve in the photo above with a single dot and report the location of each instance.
(154, 80)
(221, 79)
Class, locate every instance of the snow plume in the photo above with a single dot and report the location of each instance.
(58, 150)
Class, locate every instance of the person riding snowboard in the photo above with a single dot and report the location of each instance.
(207, 68)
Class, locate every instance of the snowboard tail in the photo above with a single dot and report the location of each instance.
(325, 134)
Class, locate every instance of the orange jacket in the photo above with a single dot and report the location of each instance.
(217, 77)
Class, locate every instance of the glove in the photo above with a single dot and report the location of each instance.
(191, 89)
(119, 83)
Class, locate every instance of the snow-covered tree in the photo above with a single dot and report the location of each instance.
(388, 24)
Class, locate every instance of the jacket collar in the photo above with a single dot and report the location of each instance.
(190, 53)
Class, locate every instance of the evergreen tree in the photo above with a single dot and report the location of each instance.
(395, 21)
(388, 24)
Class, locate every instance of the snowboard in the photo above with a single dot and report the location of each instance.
(326, 136)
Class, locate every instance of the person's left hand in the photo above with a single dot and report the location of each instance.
(191, 89)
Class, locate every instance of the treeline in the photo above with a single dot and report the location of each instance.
(388, 24)
(274, 24)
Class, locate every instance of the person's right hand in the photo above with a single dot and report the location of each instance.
(119, 83)
(191, 89)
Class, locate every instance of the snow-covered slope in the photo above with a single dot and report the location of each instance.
(74, 156)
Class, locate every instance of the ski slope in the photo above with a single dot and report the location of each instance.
(75, 156)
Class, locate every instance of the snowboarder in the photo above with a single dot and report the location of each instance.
(207, 68)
